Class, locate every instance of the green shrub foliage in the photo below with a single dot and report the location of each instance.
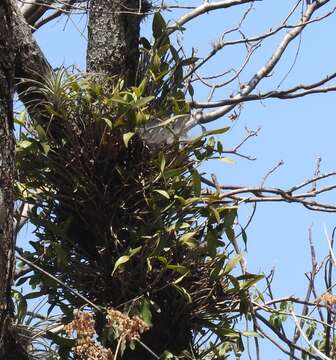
(120, 213)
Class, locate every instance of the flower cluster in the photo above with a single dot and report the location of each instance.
(327, 298)
(83, 326)
(129, 328)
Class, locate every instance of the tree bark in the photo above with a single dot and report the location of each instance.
(9, 347)
(114, 29)
(30, 63)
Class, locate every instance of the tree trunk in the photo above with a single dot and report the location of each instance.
(9, 348)
(113, 50)
(30, 63)
(114, 28)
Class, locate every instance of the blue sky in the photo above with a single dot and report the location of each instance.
(295, 131)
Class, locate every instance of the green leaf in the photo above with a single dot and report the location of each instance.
(108, 122)
(251, 334)
(45, 147)
(186, 238)
(162, 161)
(211, 142)
(178, 76)
(216, 214)
(220, 148)
(134, 251)
(218, 267)
(145, 312)
(228, 160)
(21, 120)
(229, 266)
(225, 332)
(125, 258)
(183, 225)
(21, 308)
(216, 131)
(138, 91)
(259, 297)
(251, 282)
(159, 25)
(312, 326)
(175, 54)
(174, 172)
(230, 214)
(244, 236)
(198, 199)
(178, 268)
(276, 320)
(24, 144)
(184, 293)
(180, 199)
(163, 193)
(142, 102)
(163, 50)
(145, 43)
(127, 137)
(191, 243)
(210, 132)
(156, 66)
(59, 340)
(40, 132)
(177, 281)
(162, 259)
(122, 260)
(230, 233)
(197, 184)
(191, 90)
(166, 356)
(234, 282)
(212, 242)
(118, 99)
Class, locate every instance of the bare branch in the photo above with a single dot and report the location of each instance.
(65, 9)
(234, 150)
(34, 10)
(270, 172)
(268, 194)
(284, 338)
(311, 345)
(206, 7)
(292, 93)
(58, 281)
(22, 217)
(263, 72)
(313, 274)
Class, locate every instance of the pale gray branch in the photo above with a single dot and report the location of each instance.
(205, 8)
(262, 73)
(248, 194)
(291, 93)
(34, 10)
